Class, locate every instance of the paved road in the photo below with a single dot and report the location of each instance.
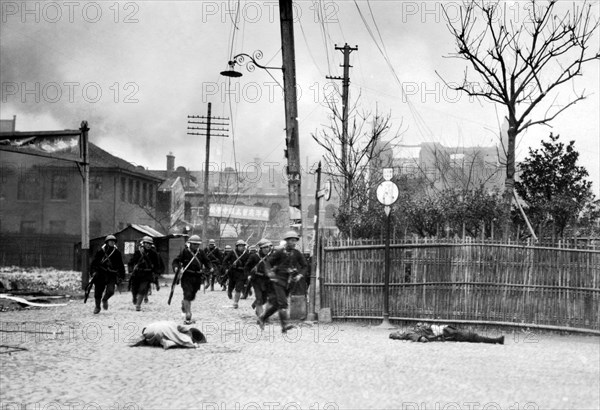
(87, 364)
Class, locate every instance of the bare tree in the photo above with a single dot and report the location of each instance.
(367, 140)
(521, 64)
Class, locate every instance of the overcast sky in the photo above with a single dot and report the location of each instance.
(136, 70)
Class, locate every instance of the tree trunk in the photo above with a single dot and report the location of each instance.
(509, 184)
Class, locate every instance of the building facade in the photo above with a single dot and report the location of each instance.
(40, 204)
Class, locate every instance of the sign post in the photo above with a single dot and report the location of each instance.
(387, 195)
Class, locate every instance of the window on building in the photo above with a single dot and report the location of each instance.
(58, 226)
(123, 189)
(137, 193)
(28, 226)
(95, 187)
(144, 200)
(59, 187)
(29, 186)
(129, 247)
(130, 196)
(95, 229)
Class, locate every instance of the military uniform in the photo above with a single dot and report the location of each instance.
(215, 257)
(256, 269)
(424, 332)
(235, 263)
(288, 264)
(107, 268)
(191, 259)
(145, 266)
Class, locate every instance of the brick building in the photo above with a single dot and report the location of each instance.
(40, 204)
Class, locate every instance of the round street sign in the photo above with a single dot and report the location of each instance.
(387, 193)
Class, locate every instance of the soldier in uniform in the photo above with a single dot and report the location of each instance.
(252, 250)
(155, 277)
(235, 262)
(191, 259)
(288, 264)
(215, 257)
(146, 266)
(223, 277)
(256, 271)
(424, 332)
(107, 269)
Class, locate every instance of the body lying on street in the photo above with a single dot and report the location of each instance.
(167, 334)
(424, 332)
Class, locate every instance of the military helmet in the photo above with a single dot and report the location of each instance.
(110, 238)
(240, 242)
(291, 235)
(227, 247)
(211, 242)
(195, 239)
(264, 242)
(147, 239)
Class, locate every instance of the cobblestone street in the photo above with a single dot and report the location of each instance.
(77, 360)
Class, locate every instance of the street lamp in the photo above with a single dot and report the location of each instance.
(240, 59)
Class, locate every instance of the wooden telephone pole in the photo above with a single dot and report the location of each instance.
(206, 124)
(346, 50)
(292, 152)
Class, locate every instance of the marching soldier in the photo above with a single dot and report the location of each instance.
(146, 266)
(215, 257)
(256, 270)
(224, 279)
(155, 276)
(252, 250)
(235, 262)
(108, 269)
(288, 264)
(190, 261)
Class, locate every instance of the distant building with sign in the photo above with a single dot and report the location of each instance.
(254, 199)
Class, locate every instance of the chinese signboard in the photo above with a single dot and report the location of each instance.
(254, 213)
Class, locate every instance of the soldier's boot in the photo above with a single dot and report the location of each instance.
(229, 291)
(236, 299)
(105, 304)
(138, 302)
(97, 307)
(283, 318)
(492, 340)
(262, 319)
(259, 310)
(134, 298)
(212, 283)
(187, 308)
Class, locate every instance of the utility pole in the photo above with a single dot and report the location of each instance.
(346, 50)
(292, 152)
(84, 167)
(206, 124)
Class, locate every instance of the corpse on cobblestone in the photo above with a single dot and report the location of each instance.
(169, 334)
(424, 332)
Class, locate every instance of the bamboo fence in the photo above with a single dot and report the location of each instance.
(472, 281)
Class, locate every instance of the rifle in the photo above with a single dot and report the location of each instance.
(174, 284)
(88, 288)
